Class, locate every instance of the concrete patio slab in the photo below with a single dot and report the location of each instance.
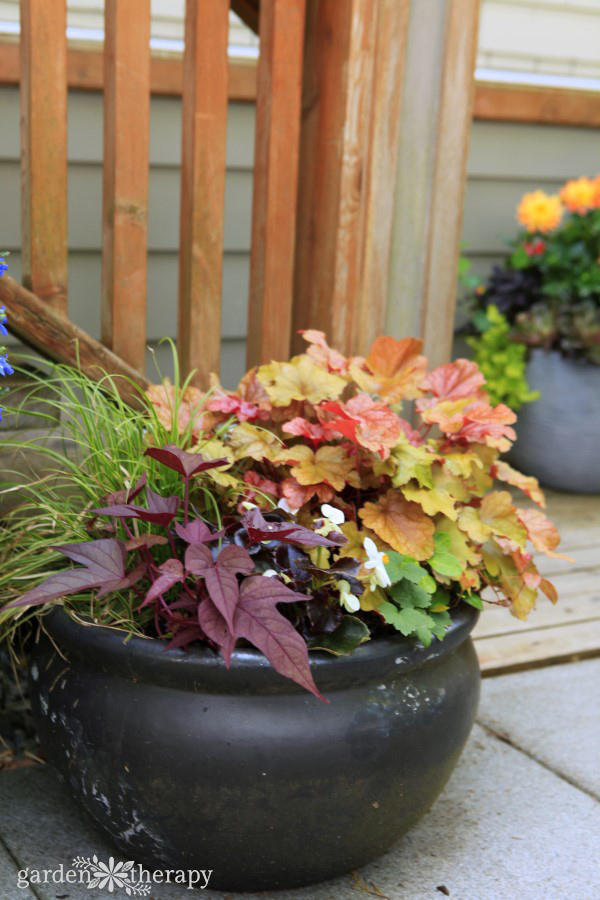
(553, 714)
(8, 877)
(505, 828)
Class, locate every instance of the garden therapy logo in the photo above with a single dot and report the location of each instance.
(130, 877)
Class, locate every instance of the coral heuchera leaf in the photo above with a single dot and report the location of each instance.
(187, 464)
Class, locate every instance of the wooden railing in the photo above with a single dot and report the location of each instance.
(329, 95)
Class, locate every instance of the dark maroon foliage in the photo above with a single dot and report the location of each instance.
(261, 529)
(187, 464)
(216, 594)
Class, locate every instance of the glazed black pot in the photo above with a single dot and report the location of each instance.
(185, 765)
(558, 435)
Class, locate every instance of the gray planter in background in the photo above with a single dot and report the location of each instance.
(558, 436)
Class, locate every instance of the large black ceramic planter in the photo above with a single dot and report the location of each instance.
(185, 765)
(558, 436)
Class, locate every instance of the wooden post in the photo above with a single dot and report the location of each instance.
(125, 193)
(40, 326)
(353, 71)
(275, 180)
(202, 186)
(44, 149)
(435, 129)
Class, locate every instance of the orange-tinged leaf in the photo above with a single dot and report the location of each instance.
(401, 523)
(526, 483)
(372, 599)
(432, 500)
(461, 378)
(192, 407)
(356, 538)
(297, 495)
(299, 379)
(497, 515)
(251, 441)
(329, 465)
(549, 590)
(366, 422)
(508, 580)
(542, 533)
(324, 355)
(392, 370)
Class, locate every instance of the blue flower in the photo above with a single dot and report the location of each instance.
(5, 367)
(3, 329)
(3, 267)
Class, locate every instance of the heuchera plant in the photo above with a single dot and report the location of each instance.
(314, 516)
(549, 287)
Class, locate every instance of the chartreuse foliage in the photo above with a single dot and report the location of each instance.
(298, 511)
(502, 361)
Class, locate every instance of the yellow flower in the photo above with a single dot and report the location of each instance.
(580, 195)
(539, 211)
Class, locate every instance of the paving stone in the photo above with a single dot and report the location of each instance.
(505, 828)
(553, 714)
(8, 878)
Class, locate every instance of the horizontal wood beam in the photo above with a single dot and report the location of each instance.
(493, 102)
(53, 336)
(537, 106)
(85, 72)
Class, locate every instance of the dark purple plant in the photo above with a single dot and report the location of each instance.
(204, 591)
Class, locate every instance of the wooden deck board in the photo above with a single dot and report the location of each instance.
(553, 634)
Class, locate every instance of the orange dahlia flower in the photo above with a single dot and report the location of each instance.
(539, 211)
(580, 195)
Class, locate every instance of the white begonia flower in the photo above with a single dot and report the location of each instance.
(333, 515)
(285, 506)
(376, 561)
(347, 600)
(270, 573)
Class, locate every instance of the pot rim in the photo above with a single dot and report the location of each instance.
(200, 668)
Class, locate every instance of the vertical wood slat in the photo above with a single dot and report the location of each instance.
(353, 70)
(435, 126)
(204, 133)
(125, 178)
(457, 92)
(279, 89)
(388, 81)
(44, 149)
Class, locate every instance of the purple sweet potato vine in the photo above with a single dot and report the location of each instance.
(215, 587)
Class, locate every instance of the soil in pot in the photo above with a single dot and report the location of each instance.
(187, 766)
(558, 435)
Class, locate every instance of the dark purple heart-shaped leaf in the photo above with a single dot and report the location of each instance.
(145, 540)
(197, 532)
(171, 572)
(106, 556)
(257, 620)
(184, 636)
(122, 584)
(122, 511)
(260, 529)
(104, 562)
(215, 628)
(187, 464)
(220, 575)
(159, 504)
(126, 496)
